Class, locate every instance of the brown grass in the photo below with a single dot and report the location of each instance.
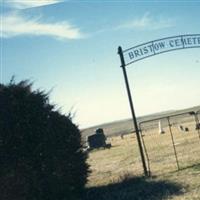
(108, 165)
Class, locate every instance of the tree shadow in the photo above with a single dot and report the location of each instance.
(137, 188)
(194, 167)
(197, 167)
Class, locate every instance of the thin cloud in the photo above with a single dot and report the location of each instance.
(147, 22)
(16, 25)
(23, 4)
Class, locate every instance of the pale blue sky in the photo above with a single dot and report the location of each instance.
(71, 46)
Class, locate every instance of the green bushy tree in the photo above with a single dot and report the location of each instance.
(41, 155)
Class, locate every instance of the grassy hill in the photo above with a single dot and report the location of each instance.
(126, 126)
(113, 168)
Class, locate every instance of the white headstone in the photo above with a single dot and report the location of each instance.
(160, 128)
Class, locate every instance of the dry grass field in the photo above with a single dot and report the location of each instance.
(117, 172)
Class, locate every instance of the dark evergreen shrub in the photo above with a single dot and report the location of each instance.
(40, 149)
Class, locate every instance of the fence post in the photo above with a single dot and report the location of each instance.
(170, 130)
(145, 150)
(197, 123)
(132, 111)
